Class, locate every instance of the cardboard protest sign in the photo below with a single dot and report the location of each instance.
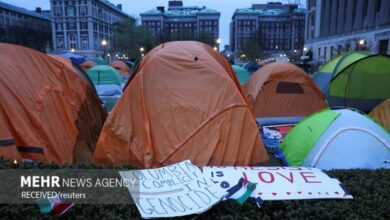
(176, 190)
(280, 183)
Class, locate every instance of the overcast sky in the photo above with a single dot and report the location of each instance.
(135, 7)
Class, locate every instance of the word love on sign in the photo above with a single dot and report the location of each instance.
(280, 183)
(175, 190)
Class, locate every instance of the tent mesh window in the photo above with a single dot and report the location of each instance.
(288, 87)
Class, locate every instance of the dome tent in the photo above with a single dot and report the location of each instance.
(48, 111)
(337, 139)
(381, 114)
(121, 67)
(7, 143)
(242, 74)
(281, 89)
(87, 65)
(103, 74)
(355, 79)
(97, 60)
(184, 102)
(67, 62)
(75, 58)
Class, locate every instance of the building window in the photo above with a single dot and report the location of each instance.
(59, 26)
(72, 41)
(83, 11)
(331, 52)
(319, 52)
(378, 6)
(60, 43)
(57, 11)
(84, 25)
(70, 11)
(383, 46)
(325, 49)
(71, 26)
(72, 37)
(84, 43)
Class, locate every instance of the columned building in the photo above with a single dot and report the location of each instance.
(279, 28)
(24, 27)
(81, 26)
(334, 27)
(181, 21)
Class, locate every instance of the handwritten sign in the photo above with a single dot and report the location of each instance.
(280, 183)
(176, 190)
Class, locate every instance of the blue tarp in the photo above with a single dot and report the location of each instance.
(75, 58)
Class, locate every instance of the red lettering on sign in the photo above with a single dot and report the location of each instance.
(271, 177)
(306, 175)
(291, 179)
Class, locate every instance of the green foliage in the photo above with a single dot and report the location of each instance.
(252, 48)
(184, 34)
(370, 190)
(128, 38)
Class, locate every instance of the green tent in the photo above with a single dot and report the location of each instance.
(304, 135)
(103, 74)
(242, 74)
(337, 139)
(97, 60)
(355, 79)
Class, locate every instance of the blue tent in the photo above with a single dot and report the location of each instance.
(75, 58)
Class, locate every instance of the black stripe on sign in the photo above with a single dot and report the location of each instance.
(28, 149)
(7, 142)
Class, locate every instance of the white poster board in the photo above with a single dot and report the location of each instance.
(176, 190)
(280, 183)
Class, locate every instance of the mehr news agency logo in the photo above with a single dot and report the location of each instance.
(31, 184)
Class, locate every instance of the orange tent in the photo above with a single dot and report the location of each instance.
(122, 68)
(8, 148)
(50, 113)
(86, 65)
(381, 113)
(64, 60)
(184, 102)
(281, 89)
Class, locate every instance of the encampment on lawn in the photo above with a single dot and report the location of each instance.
(184, 102)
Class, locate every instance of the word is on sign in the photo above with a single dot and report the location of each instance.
(280, 183)
(175, 190)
